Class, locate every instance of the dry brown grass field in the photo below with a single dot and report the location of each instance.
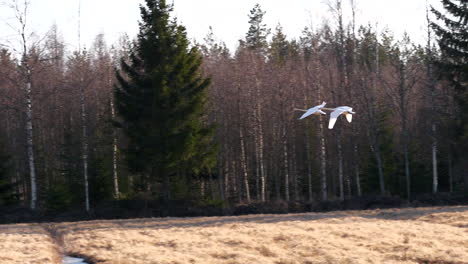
(414, 235)
(27, 243)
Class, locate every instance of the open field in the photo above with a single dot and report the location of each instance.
(422, 235)
(27, 243)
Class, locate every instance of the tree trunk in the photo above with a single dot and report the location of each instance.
(294, 170)
(407, 172)
(29, 141)
(262, 165)
(323, 163)
(432, 84)
(259, 127)
(244, 165)
(84, 145)
(378, 158)
(221, 174)
(166, 194)
(450, 172)
(286, 165)
(340, 165)
(309, 168)
(226, 182)
(257, 169)
(403, 93)
(435, 177)
(212, 186)
(357, 172)
(376, 148)
(114, 154)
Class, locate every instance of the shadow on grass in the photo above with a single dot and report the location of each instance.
(178, 222)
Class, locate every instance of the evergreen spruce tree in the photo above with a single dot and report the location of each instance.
(161, 97)
(256, 37)
(453, 42)
(279, 46)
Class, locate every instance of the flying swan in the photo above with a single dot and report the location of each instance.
(317, 110)
(346, 110)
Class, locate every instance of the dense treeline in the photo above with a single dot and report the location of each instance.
(404, 139)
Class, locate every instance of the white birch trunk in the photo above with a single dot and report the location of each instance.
(403, 91)
(259, 121)
(244, 165)
(22, 18)
(29, 142)
(323, 163)
(114, 154)
(435, 177)
(257, 167)
(356, 151)
(377, 153)
(262, 165)
(202, 188)
(286, 165)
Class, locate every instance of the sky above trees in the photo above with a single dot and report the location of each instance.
(228, 18)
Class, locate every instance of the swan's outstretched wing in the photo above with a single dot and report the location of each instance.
(314, 110)
(349, 117)
(309, 112)
(333, 116)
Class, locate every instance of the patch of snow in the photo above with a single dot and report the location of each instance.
(72, 260)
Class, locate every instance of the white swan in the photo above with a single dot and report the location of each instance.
(316, 110)
(346, 110)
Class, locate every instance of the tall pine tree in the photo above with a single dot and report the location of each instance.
(256, 37)
(161, 98)
(453, 42)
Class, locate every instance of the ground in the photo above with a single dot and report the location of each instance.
(412, 235)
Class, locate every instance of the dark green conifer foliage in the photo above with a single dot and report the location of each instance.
(453, 42)
(256, 37)
(389, 157)
(100, 169)
(7, 195)
(279, 46)
(453, 66)
(160, 98)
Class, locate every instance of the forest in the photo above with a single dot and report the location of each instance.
(74, 134)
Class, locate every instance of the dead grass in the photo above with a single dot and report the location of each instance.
(425, 235)
(27, 244)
